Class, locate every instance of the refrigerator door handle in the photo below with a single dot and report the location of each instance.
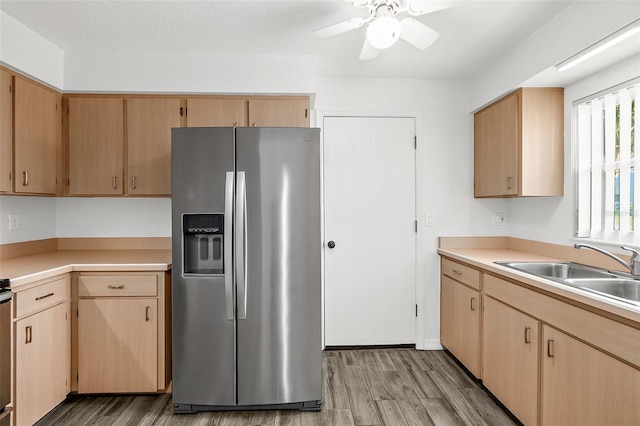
(228, 244)
(241, 245)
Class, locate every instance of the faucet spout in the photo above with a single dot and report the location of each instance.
(633, 266)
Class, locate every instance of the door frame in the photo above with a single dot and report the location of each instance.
(318, 120)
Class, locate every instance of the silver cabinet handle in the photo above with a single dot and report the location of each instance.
(25, 178)
(551, 348)
(116, 287)
(509, 182)
(241, 245)
(114, 182)
(527, 335)
(133, 182)
(28, 333)
(44, 297)
(457, 272)
(473, 304)
(146, 314)
(228, 249)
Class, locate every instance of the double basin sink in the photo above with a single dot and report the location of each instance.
(599, 281)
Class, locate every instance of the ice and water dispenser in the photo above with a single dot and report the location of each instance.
(203, 243)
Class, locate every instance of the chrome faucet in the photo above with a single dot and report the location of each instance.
(633, 266)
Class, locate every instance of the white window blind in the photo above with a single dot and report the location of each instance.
(607, 182)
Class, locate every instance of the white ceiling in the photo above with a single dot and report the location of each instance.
(473, 33)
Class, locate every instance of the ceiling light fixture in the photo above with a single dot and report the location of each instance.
(602, 45)
(385, 29)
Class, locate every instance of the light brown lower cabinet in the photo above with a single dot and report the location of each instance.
(117, 349)
(584, 386)
(511, 353)
(122, 332)
(460, 322)
(41, 344)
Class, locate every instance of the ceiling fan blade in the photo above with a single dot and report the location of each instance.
(339, 28)
(368, 51)
(421, 7)
(417, 33)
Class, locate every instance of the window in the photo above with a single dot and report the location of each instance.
(607, 182)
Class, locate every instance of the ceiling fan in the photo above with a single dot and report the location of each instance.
(384, 28)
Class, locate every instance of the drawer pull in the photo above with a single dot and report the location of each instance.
(457, 272)
(146, 314)
(45, 296)
(114, 182)
(116, 287)
(28, 334)
(551, 348)
(527, 335)
(473, 304)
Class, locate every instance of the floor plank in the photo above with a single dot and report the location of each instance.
(391, 387)
(391, 413)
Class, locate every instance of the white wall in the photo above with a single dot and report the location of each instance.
(23, 49)
(113, 217)
(188, 73)
(37, 216)
(578, 26)
(444, 168)
(552, 219)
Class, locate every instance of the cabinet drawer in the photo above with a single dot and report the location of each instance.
(40, 297)
(464, 274)
(117, 285)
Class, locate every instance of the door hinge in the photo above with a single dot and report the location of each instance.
(416, 309)
(415, 142)
(415, 226)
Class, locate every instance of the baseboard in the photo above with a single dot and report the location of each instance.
(431, 345)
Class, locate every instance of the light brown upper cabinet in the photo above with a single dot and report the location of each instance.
(38, 137)
(96, 146)
(519, 145)
(284, 112)
(216, 112)
(149, 124)
(6, 131)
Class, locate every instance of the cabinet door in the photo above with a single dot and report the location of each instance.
(117, 345)
(279, 112)
(223, 112)
(496, 148)
(460, 322)
(510, 348)
(42, 363)
(38, 134)
(583, 386)
(149, 123)
(6, 131)
(96, 146)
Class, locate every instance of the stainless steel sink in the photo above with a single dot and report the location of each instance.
(621, 288)
(596, 280)
(558, 270)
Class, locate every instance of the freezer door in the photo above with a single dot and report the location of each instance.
(278, 270)
(202, 164)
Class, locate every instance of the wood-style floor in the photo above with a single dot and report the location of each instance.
(391, 387)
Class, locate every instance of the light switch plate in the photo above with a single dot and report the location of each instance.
(499, 219)
(429, 220)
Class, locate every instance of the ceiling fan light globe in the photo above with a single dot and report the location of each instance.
(383, 32)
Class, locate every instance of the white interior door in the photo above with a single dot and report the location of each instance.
(369, 175)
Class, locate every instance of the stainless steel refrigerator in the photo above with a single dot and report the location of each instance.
(246, 269)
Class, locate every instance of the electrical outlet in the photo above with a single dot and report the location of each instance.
(499, 219)
(14, 221)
